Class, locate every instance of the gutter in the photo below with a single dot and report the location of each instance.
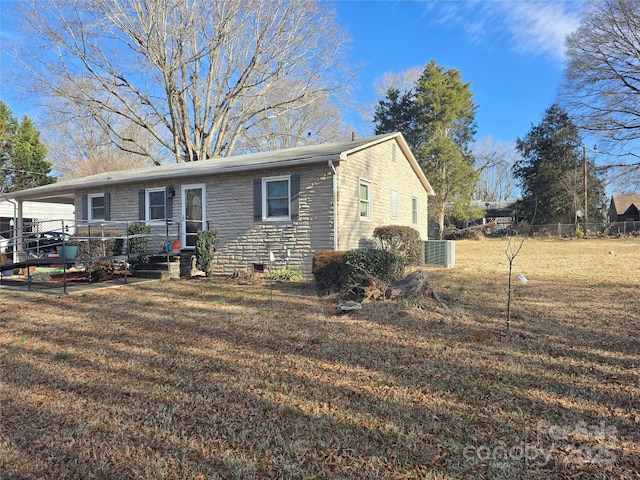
(335, 205)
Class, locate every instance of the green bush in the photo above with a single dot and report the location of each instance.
(138, 244)
(96, 271)
(327, 270)
(206, 244)
(403, 241)
(361, 264)
(283, 274)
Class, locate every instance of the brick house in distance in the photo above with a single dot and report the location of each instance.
(291, 202)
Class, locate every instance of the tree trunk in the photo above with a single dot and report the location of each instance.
(414, 286)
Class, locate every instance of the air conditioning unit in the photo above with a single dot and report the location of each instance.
(439, 253)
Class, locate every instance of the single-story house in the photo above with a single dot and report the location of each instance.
(624, 208)
(503, 213)
(271, 208)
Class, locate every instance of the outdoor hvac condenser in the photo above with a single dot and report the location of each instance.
(439, 253)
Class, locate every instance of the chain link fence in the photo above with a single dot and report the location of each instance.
(560, 230)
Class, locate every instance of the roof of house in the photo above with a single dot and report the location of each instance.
(496, 209)
(620, 203)
(63, 191)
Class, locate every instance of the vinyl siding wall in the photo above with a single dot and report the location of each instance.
(376, 165)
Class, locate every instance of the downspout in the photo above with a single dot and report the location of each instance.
(335, 205)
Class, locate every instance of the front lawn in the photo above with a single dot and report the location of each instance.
(206, 380)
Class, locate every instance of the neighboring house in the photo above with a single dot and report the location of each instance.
(502, 213)
(49, 216)
(624, 208)
(291, 203)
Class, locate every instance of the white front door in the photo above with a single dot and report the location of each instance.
(193, 213)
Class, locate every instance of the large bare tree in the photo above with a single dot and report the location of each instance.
(79, 146)
(494, 163)
(315, 122)
(602, 88)
(199, 76)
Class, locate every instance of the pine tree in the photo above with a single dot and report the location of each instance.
(23, 161)
(437, 119)
(550, 171)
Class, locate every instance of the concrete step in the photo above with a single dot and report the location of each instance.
(153, 274)
(163, 258)
(160, 266)
(157, 267)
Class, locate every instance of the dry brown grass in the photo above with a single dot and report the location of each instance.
(194, 380)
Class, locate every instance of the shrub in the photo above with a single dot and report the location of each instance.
(327, 270)
(362, 264)
(206, 244)
(96, 271)
(521, 228)
(403, 241)
(92, 244)
(283, 274)
(40, 277)
(138, 244)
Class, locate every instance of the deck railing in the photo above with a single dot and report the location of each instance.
(83, 243)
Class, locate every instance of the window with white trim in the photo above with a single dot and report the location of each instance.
(156, 204)
(96, 206)
(365, 199)
(414, 211)
(276, 198)
(395, 210)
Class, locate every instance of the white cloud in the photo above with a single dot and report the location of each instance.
(527, 27)
(541, 28)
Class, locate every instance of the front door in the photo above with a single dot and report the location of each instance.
(193, 213)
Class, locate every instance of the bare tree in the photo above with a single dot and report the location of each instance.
(494, 163)
(79, 146)
(403, 81)
(318, 121)
(512, 250)
(197, 75)
(602, 87)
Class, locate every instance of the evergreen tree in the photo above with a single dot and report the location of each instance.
(23, 161)
(550, 171)
(437, 119)
(397, 112)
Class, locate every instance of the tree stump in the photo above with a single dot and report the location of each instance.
(414, 286)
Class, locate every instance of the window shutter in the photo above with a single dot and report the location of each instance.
(295, 196)
(168, 203)
(107, 206)
(142, 215)
(85, 207)
(257, 199)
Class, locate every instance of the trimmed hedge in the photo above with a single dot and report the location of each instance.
(138, 244)
(342, 271)
(403, 241)
(327, 270)
(206, 245)
(383, 265)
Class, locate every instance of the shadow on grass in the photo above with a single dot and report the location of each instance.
(182, 380)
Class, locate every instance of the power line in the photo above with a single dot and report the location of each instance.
(19, 170)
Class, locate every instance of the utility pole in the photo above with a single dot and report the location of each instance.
(586, 203)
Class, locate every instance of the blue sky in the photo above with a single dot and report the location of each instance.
(510, 50)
